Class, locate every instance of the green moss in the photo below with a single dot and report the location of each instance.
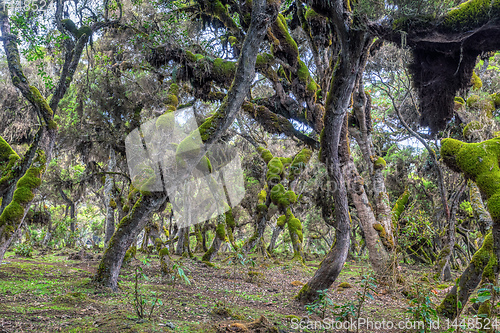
(310, 14)
(483, 104)
(164, 252)
(345, 285)
(384, 237)
(496, 99)
(303, 72)
(471, 127)
(52, 125)
(41, 102)
(221, 232)
(281, 221)
(265, 154)
(291, 45)
(291, 196)
(480, 162)
(312, 87)
(204, 165)
(112, 203)
(399, 207)
(209, 126)
(295, 227)
(471, 14)
(278, 196)
(261, 207)
(190, 56)
(275, 170)
(494, 200)
(126, 208)
(286, 161)
(449, 149)
(379, 163)
(472, 100)
(299, 163)
(476, 81)
(224, 69)
(448, 306)
(166, 122)
(264, 59)
(23, 194)
(85, 30)
(130, 253)
(230, 219)
(70, 26)
(459, 100)
(190, 146)
(232, 40)
(262, 196)
(8, 159)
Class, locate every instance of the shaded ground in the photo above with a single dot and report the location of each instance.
(49, 293)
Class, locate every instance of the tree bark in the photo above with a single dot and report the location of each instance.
(374, 239)
(355, 45)
(110, 200)
(442, 266)
(182, 247)
(122, 239)
(219, 238)
(274, 237)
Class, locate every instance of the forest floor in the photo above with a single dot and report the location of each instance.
(51, 293)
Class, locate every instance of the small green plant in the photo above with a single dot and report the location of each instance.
(322, 305)
(352, 309)
(179, 274)
(422, 308)
(141, 304)
(24, 249)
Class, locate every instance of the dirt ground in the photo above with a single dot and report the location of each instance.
(51, 293)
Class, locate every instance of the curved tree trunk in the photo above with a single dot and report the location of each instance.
(442, 266)
(122, 239)
(219, 238)
(469, 280)
(376, 241)
(355, 45)
(274, 237)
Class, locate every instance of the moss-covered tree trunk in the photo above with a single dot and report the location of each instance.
(19, 178)
(375, 235)
(219, 238)
(198, 232)
(468, 281)
(13, 215)
(483, 218)
(110, 200)
(442, 266)
(480, 162)
(182, 247)
(274, 237)
(354, 46)
(230, 228)
(128, 228)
